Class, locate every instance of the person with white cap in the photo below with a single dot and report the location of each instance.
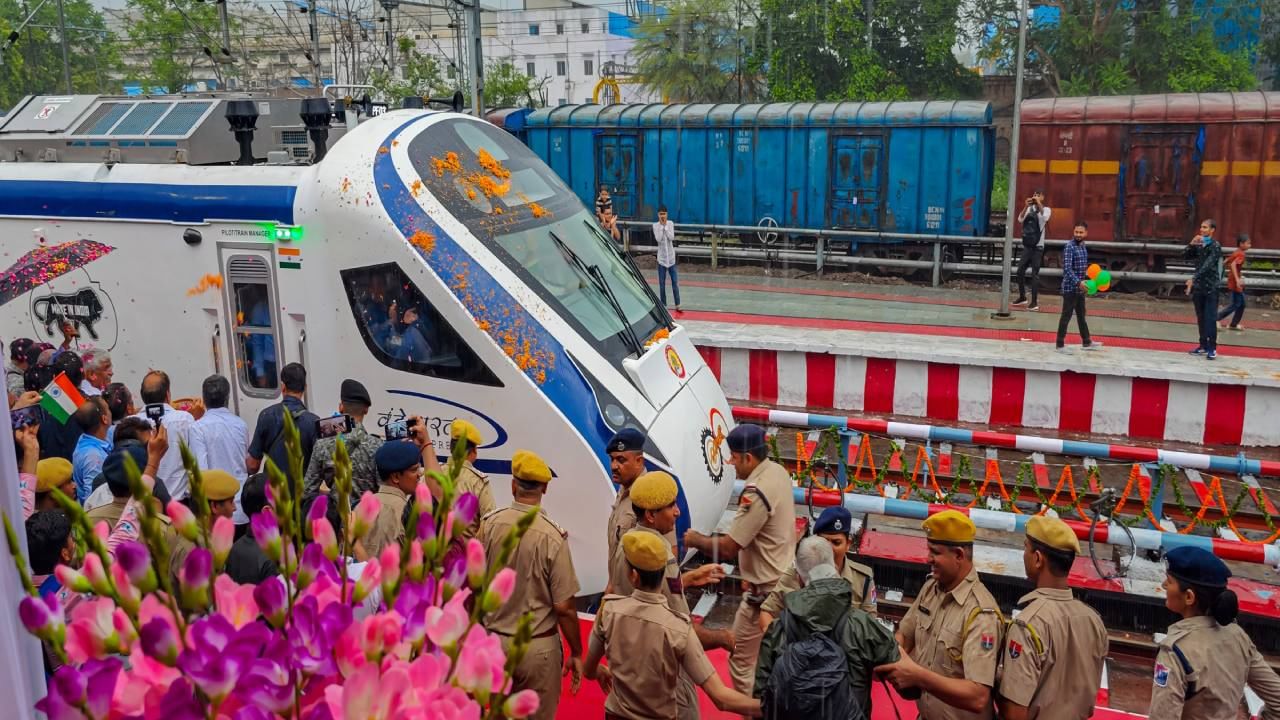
(835, 525)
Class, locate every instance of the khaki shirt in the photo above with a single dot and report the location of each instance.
(471, 480)
(543, 565)
(672, 589)
(957, 635)
(860, 577)
(179, 549)
(622, 519)
(110, 512)
(647, 644)
(388, 527)
(1053, 656)
(1221, 660)
(765, 526)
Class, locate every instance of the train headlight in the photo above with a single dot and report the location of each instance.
(614, 416)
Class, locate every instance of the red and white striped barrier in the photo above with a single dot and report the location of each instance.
(1151, 408)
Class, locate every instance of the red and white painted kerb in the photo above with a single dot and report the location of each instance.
(1140, 407)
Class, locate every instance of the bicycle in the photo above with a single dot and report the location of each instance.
(1105, 505)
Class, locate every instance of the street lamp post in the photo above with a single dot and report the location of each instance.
(1007, 265)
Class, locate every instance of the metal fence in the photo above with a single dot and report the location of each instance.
(823, 256)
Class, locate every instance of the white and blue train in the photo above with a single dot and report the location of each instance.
(429, 254)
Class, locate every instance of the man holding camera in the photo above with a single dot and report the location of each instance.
(1035, 219)
(353, 405)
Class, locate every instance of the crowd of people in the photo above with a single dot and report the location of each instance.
(1209, 271)
(805, 640)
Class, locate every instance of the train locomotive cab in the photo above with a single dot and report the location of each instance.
(530, 322)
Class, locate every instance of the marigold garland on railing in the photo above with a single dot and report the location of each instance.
(827, 456)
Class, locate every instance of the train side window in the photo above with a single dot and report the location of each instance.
(403, 330)
(257, 361)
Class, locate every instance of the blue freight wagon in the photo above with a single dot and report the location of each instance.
(898, 167)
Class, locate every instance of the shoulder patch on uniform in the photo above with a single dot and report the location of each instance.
(1161, 678)
(1015, 649)
(988, 641)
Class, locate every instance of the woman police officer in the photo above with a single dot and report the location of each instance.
(1206, 659)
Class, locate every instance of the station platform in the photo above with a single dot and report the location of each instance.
(937, 354)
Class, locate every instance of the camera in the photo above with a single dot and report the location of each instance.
(155, 411)
(336, 425)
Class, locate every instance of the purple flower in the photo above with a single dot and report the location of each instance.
(272, 599)
(314, 564)
(193, 579)
(219, 654)
(455, 568)
(267, 685)
(135, 560)
(90, 686)
(318, 509)
(464, 512)
(42, 616)
(426, 526)
(160, 641)
(313, 634)
(180, 703)
(267, 532)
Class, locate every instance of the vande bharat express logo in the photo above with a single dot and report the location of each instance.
(673, 362)
(712, 441)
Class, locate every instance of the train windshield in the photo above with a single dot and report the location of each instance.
(508, 198)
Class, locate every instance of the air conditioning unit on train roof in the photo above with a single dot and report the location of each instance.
(155, 129)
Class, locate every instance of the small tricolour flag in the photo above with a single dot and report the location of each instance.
(61, 398)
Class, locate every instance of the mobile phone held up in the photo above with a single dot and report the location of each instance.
(25, 417)
(155, 411)
(336, 425)
(399, 429)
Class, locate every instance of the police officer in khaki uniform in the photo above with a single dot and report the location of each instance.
(654, 497)
(471, 480)
(626, 458)
(762, 538)
(399, 464)
(951, 634)
(545, 586)
(1054, 648)
(649, 644)
(220, 488)
(1206, 659)
(835, 525)
(117, 480)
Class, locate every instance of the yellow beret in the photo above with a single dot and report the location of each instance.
(645, 550)
(653, 491)
(529, 467)
(464, 429)
(1053, 532)
(949, 527)
(51, 473)
(219, 484)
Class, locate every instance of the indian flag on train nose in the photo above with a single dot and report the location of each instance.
(61, 398)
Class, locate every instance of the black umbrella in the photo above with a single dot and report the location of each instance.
(46, 263)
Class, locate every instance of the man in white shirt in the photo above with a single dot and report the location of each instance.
(180, 426)
(1034, 220)
(664, 233)
(224, 437)
(97, 372)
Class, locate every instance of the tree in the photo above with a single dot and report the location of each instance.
(421, 76)
(1109, 47)
(173, 34)
(33, 66)
(692, 51)
(505, 86)
(823, 51)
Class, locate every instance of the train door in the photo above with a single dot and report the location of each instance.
(618, 168)
(1159, 180)
(252, 298)
(855, 197)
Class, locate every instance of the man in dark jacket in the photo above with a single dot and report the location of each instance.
(816, 607)
(1203, 286)
(247, 563)
(268, 435)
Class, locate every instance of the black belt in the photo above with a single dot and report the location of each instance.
(539, 636)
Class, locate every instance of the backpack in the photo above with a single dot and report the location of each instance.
(1031, 230)
(810, 678)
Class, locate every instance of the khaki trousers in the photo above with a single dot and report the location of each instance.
(540, 671)
(746, 637)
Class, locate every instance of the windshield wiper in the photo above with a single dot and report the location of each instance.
(664, 317)
(598, 282)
